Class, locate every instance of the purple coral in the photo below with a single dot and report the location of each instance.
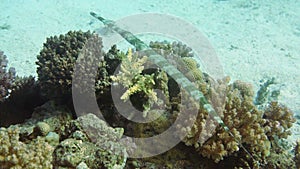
(7, 78)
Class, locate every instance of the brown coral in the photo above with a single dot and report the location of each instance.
(17, 154)
(16, 109)
(297, 154)
(57, 59)
(244, 121)
(7, 78)
(279, 119)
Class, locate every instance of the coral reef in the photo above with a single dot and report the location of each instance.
(17, 154)
(92, 142)
(54, 138)
(7, 78)
(131, 78)
(251, 127)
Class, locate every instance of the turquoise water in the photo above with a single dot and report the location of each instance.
(253, 40)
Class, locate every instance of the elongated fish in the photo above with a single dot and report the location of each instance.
(179, 77)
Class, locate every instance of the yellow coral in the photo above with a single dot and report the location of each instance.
(242, 117)
(190, 63)
(17, 154)
(131, 77)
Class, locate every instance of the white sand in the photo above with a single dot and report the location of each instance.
(253, 39)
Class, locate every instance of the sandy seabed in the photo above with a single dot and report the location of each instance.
(253, 40)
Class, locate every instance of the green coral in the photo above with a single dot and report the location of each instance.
(267, 92)
(43, 128)
(177, 48)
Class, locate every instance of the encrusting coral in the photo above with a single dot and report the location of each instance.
(91, 142)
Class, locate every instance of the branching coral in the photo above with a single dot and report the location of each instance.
(131, 77)
(242, 118)
(51, 139)
(7, 78)
(234, 103)
(17, 154)
(253, 128)
(16, 109)
(57, 59)
(279, 119)
(177, 48)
